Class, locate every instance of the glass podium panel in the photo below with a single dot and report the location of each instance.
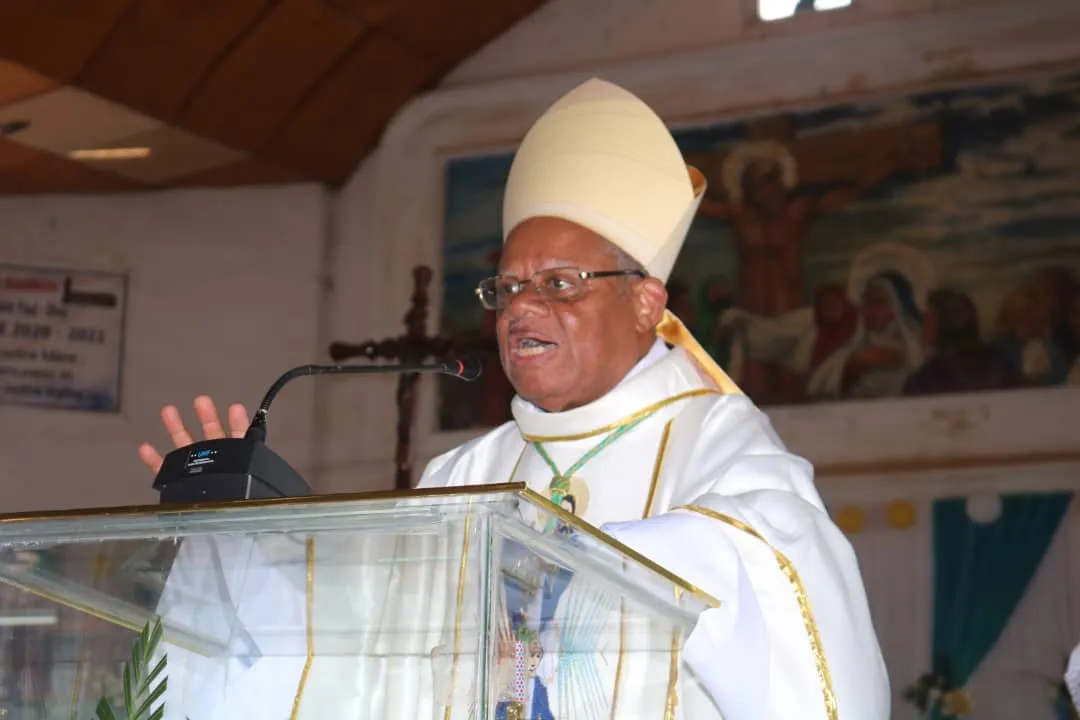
(472, 604)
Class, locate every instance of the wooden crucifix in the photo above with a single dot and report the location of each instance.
(412, 348)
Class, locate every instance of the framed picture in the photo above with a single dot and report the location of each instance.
(894, 278)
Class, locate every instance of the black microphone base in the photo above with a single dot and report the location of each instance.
(217, 488)
(227, 469)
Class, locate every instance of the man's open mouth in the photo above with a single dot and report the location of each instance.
(531, 346)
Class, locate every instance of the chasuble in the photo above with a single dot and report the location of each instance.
(697, 481)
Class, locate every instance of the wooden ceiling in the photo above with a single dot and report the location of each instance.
(223, 92)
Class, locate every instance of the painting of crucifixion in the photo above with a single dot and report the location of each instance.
(910, 245)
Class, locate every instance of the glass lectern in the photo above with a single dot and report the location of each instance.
(489, 603)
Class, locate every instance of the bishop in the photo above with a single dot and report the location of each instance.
(623, 419)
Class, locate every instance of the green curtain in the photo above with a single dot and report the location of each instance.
(981, 572)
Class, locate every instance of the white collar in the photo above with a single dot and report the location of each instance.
(656, 353)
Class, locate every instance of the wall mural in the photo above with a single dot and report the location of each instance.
(913, 245)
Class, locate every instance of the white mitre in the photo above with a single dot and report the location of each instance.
(601, 158)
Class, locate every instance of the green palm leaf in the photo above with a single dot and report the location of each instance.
(104, 710)
(143, 686)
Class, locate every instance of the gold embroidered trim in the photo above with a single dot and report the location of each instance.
(786, 566)
(671, 702)
(521, 456)
(309, 630)
(457, 615)
(622, 657)
(633, 417)
(657, 467)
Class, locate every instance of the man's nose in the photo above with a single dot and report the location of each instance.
(528, 301)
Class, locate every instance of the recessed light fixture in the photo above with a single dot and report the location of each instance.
(116, 153)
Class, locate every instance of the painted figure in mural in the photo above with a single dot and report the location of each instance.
(770, 222)
(1061, 285)
(1025, 335)
(960, 360)
(886, 348)
(621, 417)
(836, 320)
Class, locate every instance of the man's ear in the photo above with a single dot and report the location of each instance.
(650, 302)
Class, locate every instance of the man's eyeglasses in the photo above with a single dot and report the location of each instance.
(563, 283)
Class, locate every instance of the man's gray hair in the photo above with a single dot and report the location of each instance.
(622, 259)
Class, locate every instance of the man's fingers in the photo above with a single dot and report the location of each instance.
(207, 413)
(150, 456)
(238, 420)
(174, 425)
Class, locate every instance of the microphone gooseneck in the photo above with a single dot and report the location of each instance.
(232, 468)
(467, 368)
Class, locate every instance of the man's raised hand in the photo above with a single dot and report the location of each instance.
(212, 428)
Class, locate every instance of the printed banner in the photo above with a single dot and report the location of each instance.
(61, 338)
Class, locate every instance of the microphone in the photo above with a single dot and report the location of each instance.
(245, 468)
(467, 369)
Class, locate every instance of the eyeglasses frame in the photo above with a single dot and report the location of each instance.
(581, 274)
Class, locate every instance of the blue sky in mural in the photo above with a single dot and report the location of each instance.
(1003, 202)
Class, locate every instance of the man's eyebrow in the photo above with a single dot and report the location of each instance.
(546, 265)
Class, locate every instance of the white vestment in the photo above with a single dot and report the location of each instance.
(702, 486)
(749, 502)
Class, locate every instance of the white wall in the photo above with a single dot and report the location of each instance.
(224, 292)
(692, 60)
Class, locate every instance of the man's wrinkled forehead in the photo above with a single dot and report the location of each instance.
(547, 241)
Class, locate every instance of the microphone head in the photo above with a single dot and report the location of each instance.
(467, 368)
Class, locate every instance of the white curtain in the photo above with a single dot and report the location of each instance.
(1011, 683)
(898, 574)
